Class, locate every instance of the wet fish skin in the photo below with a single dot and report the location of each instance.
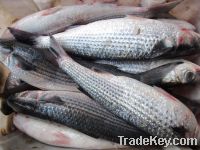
(122, 38)
(74, 110)
(31, 66)
(58, 135)
(164, 72)
(180, 23)
(39, 62)
(135, 66)
(56, 19)
(153, 111)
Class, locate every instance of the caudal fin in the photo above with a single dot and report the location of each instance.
(56, 49)
(163, 9)
(23, 36)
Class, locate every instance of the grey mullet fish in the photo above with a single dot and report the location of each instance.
(153, 111)
(122, 38)
(56, 19)
(30, 66)
(74, 110)
(161, 71)
(54, 134)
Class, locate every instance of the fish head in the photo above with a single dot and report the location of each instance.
(21, 104)
(183, 73)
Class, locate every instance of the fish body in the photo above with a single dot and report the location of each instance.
(29, 65)
(58, 135)
(122, 38)
(152, 110)
(180, 23)
(74, 110)
(161, 71)
(135, 66)
(56, 19)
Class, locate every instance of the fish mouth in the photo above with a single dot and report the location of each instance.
(21, 105)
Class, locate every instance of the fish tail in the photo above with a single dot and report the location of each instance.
(56, 50)
(163, 9)
(23, 36)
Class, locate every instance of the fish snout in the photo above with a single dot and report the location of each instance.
(21, 104)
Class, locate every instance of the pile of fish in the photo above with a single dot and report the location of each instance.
(80, 76)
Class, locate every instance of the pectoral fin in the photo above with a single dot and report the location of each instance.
(155, 76)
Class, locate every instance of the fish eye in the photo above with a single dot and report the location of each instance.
(189, 76)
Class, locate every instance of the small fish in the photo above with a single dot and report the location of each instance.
(159, 72)
(58, 135)
(137, 66)
(122, 38)
(74, 110)
(29, 65)
(184, 72)
(57, 19)
(150, 109)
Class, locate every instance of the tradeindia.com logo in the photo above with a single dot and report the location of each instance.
(154, 140)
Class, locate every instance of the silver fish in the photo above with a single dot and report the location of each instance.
(74, 110)
(137, 66)
(163, 71)
(29, 65)
(154, 111)
(122, 38)
(58, 135)
(57, 19)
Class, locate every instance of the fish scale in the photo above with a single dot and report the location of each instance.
(73, 112)
(136, 67)
(30, 56)
(59, 18)
(30, 65)
(132, 39)
(86, 105)
(127, 98)
(111, 90)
